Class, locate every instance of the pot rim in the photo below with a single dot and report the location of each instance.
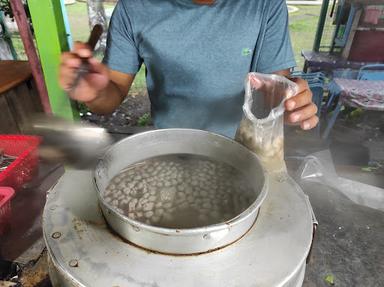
(185, 231)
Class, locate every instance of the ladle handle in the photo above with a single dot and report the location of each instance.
(95, 35)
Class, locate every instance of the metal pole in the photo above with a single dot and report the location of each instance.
(339, 13)
(26, 36)
(320, 25)
(66, 24)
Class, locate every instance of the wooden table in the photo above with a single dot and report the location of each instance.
(18, 96)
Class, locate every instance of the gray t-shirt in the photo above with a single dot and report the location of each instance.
(197, 56)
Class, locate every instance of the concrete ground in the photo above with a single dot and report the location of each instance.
(349, 246)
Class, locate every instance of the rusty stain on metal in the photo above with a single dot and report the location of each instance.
(36, 274)
(56, 235)
(229, 224)
(176, 255)
(80, 227)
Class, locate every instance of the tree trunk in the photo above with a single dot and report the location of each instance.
(96, 14)
(5, 51)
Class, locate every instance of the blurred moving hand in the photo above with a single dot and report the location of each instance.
(102, 89)
(89, 85)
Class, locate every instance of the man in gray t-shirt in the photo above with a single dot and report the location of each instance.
(197, 54)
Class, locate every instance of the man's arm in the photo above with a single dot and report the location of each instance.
(108, 99)
(300, 108)
(102, 90)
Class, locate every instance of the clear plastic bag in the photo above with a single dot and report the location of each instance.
(262, 127)
(318, 167)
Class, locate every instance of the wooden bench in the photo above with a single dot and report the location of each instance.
(18, 96)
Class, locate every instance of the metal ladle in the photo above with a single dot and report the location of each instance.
(75, 143)
(85, 68)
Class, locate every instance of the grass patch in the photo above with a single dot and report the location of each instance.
(144, 120)
(19, 47)
(299, 27)
(303, 25)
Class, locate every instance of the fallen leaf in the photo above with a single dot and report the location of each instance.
(330, 279)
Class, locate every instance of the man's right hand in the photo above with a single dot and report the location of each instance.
(91, 84)
(102, 90)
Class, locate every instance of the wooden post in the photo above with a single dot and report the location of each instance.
(26, 36)
(51, 39)
(351, 35)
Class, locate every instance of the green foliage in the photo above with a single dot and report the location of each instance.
(355, 114)
(144, 120)
(83, 109)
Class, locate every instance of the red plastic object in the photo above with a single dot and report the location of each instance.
(6, 193)
(25, 166)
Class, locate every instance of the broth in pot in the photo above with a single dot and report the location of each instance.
(180, 191)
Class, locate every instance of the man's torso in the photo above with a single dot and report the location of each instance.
(197, 57)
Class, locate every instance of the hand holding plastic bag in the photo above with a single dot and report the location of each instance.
(262, 127)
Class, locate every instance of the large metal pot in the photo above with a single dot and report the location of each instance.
(180, 141)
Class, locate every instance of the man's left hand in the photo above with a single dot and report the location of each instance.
(300, 109)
